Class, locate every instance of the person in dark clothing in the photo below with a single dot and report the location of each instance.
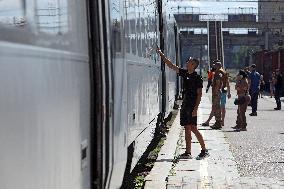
(254, 85)
(193, 84)
(278, 89)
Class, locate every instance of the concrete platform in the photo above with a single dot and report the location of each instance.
(217, 171)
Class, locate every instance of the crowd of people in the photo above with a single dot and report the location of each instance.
(249, 85)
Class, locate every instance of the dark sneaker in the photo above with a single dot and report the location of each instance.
(236, 127)
(241, 129)
(277, 108)
(216, 126)
(205, 124)
(185, 155)
(253, 114)
(203, 154)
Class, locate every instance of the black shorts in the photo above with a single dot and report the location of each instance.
(186, 117)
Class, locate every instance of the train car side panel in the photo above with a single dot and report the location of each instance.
(44, 118)
(45, 95)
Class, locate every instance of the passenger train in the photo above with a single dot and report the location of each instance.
(81, 86)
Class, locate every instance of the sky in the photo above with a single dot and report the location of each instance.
(215, 7)
(210, 7)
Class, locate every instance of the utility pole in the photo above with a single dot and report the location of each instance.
(201, 53)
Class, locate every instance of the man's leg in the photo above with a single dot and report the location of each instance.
(204, 152)
(188, 138)
(217, 111)
(253, 102)
(223, 114)
(243, 121)
(254, 97)
(277, 99)
(238, 118)
(223, 107)
(206, 123)
(198, 136)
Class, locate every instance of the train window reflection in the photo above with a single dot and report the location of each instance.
(133, 45)
(52, 16)
(12, 13)
(116, 25)
(127, 44)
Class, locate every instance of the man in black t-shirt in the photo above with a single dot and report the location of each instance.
(278, 89)
(193, 84)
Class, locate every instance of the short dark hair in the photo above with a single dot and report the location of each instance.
(243, 73)
(196, 61)
(253, 66)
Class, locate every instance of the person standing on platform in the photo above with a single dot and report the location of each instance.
(278, 89)
(242, 100)
(272, 84)
(216, 94)
(193, 84)
(254, 85)
(225, 92)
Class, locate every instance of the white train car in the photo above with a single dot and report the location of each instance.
(81, 84)
(45, 95)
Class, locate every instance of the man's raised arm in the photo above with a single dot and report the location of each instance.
(167, 61)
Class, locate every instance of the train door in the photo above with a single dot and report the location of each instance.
(101, 95)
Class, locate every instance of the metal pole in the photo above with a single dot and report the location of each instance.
(222, 45)
(200, 65)
(161, 28)
(208, 46)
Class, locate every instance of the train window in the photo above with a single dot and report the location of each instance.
(127, 35)
(139, 48)
(145, 48)
(12, 13)
(132, 25)
(133, 45)
(52, 16)
(127, 44)
(56, 24)
(116, 25)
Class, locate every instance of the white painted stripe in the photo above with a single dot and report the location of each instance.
(203, 163)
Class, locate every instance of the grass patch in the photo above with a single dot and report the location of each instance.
(176, 155)
(136, 179)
